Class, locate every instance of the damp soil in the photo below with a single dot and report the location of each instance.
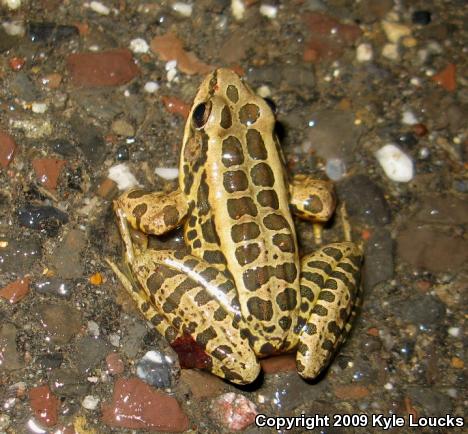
(88, 86)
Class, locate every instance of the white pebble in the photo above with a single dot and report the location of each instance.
(39, 107)
(415, 81)
(171, 75)
(93, 328)
(172, 64)
(90, 402)
(390, 51)
(151, 87)
(388, 386)
(335, 169)
(396, 164)
(183, 9)
(99, 8)
(364, 52)
(114, 339)
(238, 9)
(269, 11)
(167, 173)
(12, 4)
(395, 31)
(14, 28)
(264, 91)
(121, 175)
(139, 45)
(454, 331)
(409, 118)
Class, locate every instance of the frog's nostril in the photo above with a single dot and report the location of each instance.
(201, 114)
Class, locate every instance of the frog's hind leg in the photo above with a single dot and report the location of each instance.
(140, 297)
(199, 300)
(329, 289)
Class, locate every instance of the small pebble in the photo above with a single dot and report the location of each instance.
(390, 51)
(122, 176)
(454, 331)
(269, 11)
(157, 369)
(364, 52)
(114, 339)
(53, 286)
(335, 169)
(151, 87)
(99, 8)
(139, 45)
(395, 31)
(123, 128)
(396, 164)
(12, 4)
(234, 411)
(90, 402)
(93, 328)
(388, 386)
(167, 173)
(422, 18)
(264, 91)
(38, 107)
(183, 9)
(238, 9)
(4, 421)
(122, 153)
(14, 28)
(409, 118)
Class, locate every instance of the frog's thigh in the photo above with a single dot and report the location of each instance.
(197, 299)
(312, 199)
(153, 213)
(329, 287)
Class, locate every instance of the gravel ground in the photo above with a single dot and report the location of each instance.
(94, 95)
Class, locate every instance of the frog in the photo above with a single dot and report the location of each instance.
(239, 288)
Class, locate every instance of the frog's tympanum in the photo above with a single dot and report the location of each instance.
(240, 290)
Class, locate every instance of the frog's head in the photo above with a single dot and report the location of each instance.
(223, 112)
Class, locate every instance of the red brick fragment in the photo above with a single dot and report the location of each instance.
(47, 171)
(351, 391)
(7, 149)
(136, 405)
(176, 106)
(447, 78)
(170, 47)
(15, 291)
(105, 68)
(44, 404)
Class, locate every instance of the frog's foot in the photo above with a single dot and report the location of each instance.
(329, 289)
(196, 299)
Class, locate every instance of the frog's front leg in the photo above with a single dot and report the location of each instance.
(329, 285)
(152, 212)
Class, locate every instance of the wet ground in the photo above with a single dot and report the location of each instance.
(370, 94)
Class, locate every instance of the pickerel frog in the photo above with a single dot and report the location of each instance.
(240, 290)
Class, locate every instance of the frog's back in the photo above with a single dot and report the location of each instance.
(232, 172)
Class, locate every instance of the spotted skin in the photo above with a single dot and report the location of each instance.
(242, 292)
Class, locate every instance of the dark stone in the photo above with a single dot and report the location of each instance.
(378, 262)
(24, 88)
(407, 141)
(44, 217)
(431, 400)
(68, 383)
(89, 352)
(364, 200)
(421, 17)
(89, 140)
(63, 147)
(50, 32)
(50, 361)
(159, 369)
(54, 286)
(19, 255)
(422, 310)
(122, 153)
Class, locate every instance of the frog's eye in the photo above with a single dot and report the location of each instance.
(200, 114)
